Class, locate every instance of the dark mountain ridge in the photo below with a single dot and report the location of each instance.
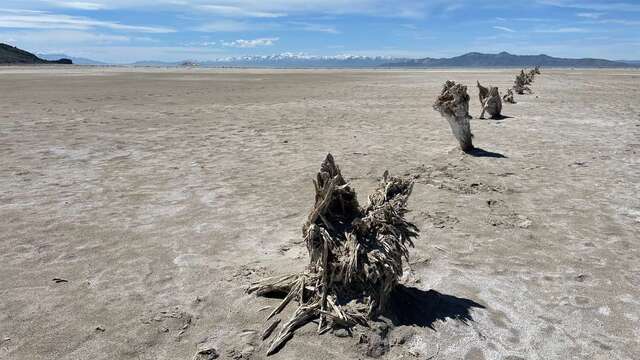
(504, 59)
(76, 60)
(12, 55)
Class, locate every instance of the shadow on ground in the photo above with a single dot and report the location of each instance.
(412, 306)
(497, 117)
(478, 152)
(500, 117)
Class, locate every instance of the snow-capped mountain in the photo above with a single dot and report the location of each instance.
(292, 60)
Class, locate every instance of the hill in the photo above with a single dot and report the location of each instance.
(12, 55)
(75, 60)
(504, 59)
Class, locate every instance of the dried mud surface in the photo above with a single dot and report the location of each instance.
(136, 205)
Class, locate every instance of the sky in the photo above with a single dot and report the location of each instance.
(124, 31)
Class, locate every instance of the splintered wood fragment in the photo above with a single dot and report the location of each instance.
(320, 208)
(277, 344)
(326, 222)
(282, 305)
(325, 281)
(267, 332)
(303, 315)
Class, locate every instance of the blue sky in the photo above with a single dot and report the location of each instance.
(124, 31)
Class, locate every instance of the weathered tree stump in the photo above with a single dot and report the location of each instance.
(355, 256)
(492, 103)
(520, 84)
(483, 92)
(508, 97)
(453, 105)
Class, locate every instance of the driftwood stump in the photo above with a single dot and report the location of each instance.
(531, 75)
(453, 105)
(508, 97)
(355, 256)
(492, 103)
(483, 92)
(521, 82)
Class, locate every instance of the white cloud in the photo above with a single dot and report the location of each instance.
(20, 11)
(251, 43)
(598, 6)
(227, 26)
(564, 30)
(78, 5)
(617, 22)
(589, 15)
(503, 28)
(235, 11)
(44, 20)
(304, 26)
(265, 8)
(201, 43)
(57, 39)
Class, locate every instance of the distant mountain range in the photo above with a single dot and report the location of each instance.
(76, 60)
(504, 59)
(12, 55)
(286, 60)
(473, 59)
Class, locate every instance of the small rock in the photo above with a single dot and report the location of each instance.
(208, 353)
(234, 354)
(402, 337)
(492, 203)
(524, 223)
(248, 350)
(342, 332)
(378, 343)
(377, 346)
(100, 328)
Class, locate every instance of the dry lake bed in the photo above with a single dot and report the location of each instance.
(137, 205)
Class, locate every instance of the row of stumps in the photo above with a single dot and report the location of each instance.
(453, 104)
(357, 253)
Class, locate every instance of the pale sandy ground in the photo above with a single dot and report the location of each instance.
(161, 194)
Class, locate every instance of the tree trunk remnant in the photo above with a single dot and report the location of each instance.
(453, 105)
(492, 103)
(355, 256)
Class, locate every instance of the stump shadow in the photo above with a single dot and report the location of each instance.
(499, 117)
(411, 306)
(478, 152)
